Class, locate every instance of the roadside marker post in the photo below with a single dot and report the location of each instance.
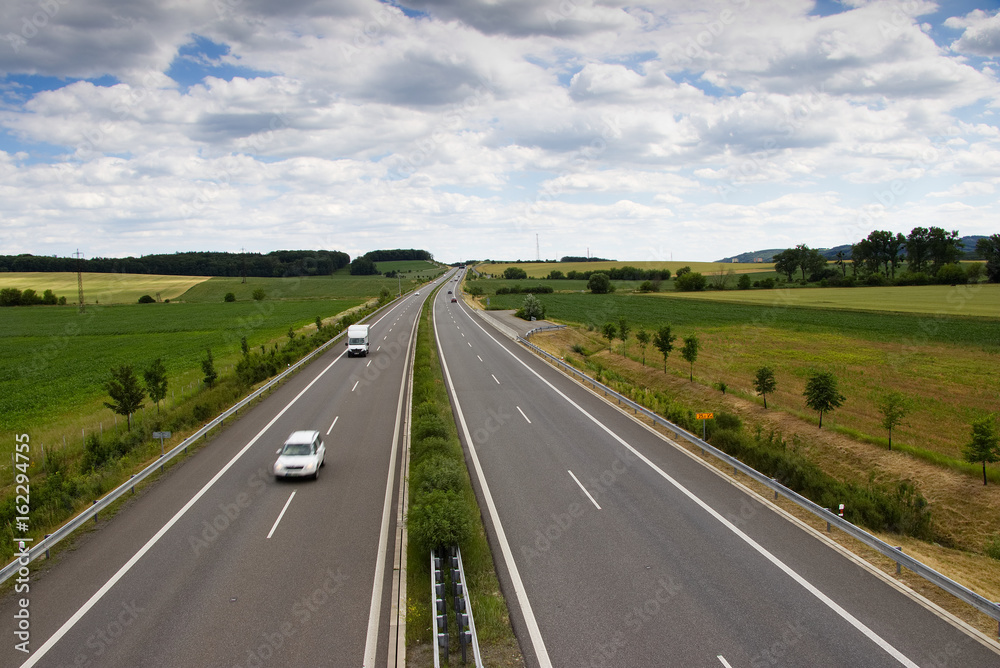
(161, 435)
(704, 417)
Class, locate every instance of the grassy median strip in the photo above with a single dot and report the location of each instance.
(444, 511)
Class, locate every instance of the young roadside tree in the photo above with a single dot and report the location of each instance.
(985, 444)
(623, 332)
(155, 378)
(893, 406)
(244, 346)
(689, 351)
(125, 391)
(610, 332)
(643, 337)
(259, 294)
(822, 394)
(531, 308)
(764, 382)
(744, 282)
(208, 368)
(664, 342)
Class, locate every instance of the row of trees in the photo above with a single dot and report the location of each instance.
(822, 393)
(662, 339)
(128, 394)
(276, 263)
(925, 250)
(398, 254)
(16, 297)
(931, 254)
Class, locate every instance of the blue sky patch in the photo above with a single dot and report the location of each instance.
(202, 58)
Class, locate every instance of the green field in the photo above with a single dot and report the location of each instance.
(101, 288)
(490, 286)
(945, 362)
(948, 327)
(295, 288)
(416, 267)
(542, 269)
(973, 300)
(54, 360)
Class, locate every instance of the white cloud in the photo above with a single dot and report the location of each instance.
(981, 34)
(720, 126)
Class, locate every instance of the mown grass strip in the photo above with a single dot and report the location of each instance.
(444, 511)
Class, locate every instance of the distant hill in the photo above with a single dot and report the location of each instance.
(968, 243)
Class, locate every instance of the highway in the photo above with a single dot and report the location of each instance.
(219, 564)
(616, 549)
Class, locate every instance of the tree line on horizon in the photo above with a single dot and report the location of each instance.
(208, 263)
(931, 255)
(276, 264)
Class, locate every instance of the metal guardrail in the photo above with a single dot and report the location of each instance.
(543, 328)
(65, 530)
(440, 611)
(465, 624)
(957, 590)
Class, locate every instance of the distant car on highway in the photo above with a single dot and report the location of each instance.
(453, 300)
(449, 292)
(302, 455)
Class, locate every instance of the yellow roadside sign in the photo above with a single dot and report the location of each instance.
(704, 416)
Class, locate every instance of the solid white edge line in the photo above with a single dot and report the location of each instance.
(99, 594)
(375, 611)
(495, 378)
(826, 600)
(723, 660)
(584, 489)
(332, 424)
(522, 414)
(534, 634)
(281, 514)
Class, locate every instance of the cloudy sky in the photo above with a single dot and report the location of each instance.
(647, 130)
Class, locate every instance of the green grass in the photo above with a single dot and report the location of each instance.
(416, 267)
(431, 403)
(54, 360)
(652, 311)
(971, 300)
(945, 364)
(310, 287)
(541, 269)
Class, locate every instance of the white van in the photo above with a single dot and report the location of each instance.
(357, 340)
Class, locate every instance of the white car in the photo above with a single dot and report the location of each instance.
(302, 456)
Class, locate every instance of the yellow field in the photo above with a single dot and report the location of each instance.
(542, 269)
(981, 299)
(102, 288)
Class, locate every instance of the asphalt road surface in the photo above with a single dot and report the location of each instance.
(616, 549)
(219, 564)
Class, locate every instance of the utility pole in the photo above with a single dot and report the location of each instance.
(538, 249)
(79, 278)
(243, 271)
